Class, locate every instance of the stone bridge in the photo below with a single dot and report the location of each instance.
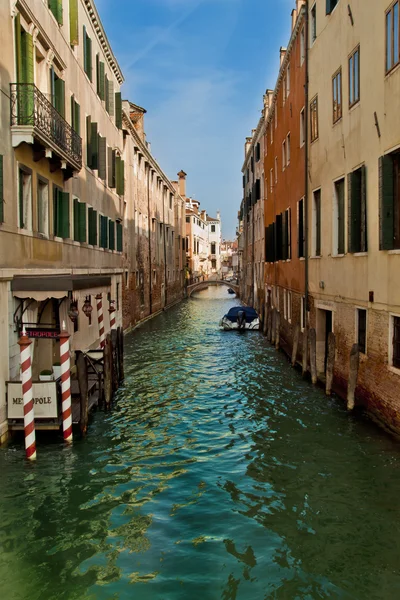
(201, 285)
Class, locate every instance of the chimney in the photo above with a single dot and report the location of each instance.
(282, 54)
(218, 215)
(294, 18)
(299, 4)
(182, 183)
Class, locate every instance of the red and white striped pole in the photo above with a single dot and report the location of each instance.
(27, 394)
(111, 310)
(100, 318)
(66, 404)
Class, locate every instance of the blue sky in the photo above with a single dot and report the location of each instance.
(200, 68)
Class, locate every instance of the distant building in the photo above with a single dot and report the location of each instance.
(214, 241)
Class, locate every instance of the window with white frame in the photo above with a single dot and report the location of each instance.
(288, 149)
(283, 155)
(302, 46)
(302, 128)
(276, 169)
(25, 198)
(313, 23)
(43, 206)
(287, 81)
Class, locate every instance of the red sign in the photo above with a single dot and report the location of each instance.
(42, 333)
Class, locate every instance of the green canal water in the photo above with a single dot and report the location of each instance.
(220, 474)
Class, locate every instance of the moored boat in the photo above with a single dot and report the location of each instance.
(241, 318)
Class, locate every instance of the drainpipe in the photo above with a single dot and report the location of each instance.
(306, 135)
(149, 234)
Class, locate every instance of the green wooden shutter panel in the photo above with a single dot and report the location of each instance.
(119, 237)
(118, 110)
(111, 235)
(98, 74)
(84, 49)
(340, 192)
(110, 166)
(64, 215)
(386, 201)
(76, 220)
(77, 118)
(89, 141)
(354, 188)
(102, 158)
(73, 23)
(89, 56)
(82, 222)
(1, 190)
(364, 223)
(18, 48)
(111, 98)
(102, 81)
(92, 216)
(107, 94)
(59, 93)
(73, 112)
(59, 15)
(95, 146)
(26, 108)
(55, 211)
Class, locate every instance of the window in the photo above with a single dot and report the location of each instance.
(187, 219)
(213, 248)
(287, 81)
(100, 78)
(92, 144)
(73, 23)
(276, 117)
(79, 221)
(337, 95)
(302, 46)
(103, 230)
(271, 132)
(338, 220)
(25, 198)
(317, 222)
(396, 342)
(285, 304)
(56, 8)
(118, 110)
(389, 201)
(43, 207)
(284, 91)
(111, 235)
(87, 54)
(392, 37)
(57, 88)
(330, 5)
(300, 229)
(212, 228)
(283, 155)
(258, 152)
(314, 118)
(302, 128)
(313, 23)
(361, 323)
(92, 226)
(75, 115)
(61, 219)
(276, 169)
(354, 77)
(271, 179)
(288, 149)
(357, 210)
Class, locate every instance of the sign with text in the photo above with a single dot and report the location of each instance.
(44, 400)
(42, 333)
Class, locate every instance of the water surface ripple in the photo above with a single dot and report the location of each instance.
(220, 474)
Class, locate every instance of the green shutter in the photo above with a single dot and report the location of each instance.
(119, 237)
(1, 190)
(103, 231)
(89, 141)
(89, 57)
(110, 166)
(59, 96)
(73, 23)
(59, 15)
(92, 217)
(98, 74)
(84, 49)
(364, 223)
(18, 47)
(118, 110)
(64, 215)
(26, 106)
(76, 220)
(107, 94)
(82, 222)
(386, 203)
(111, 235)
(341, 225)
(121, 185)
(111, 98)
(77, 118)
(354, 216)
(95, 146)
(102, 81)
(102, 158)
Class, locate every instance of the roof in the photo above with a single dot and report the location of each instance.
(211, 219)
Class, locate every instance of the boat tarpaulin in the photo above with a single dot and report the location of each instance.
(250, 313)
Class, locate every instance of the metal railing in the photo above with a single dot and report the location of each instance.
(29, 107)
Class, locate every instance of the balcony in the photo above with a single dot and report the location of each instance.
(34, 120)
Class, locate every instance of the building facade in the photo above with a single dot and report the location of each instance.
(214, 242)
(354, 202)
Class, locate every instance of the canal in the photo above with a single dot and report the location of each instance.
(220, 474)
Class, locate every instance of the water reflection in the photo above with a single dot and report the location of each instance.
(220, 474)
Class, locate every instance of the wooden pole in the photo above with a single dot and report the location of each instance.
(296, 337)
(27, 396)
(66, 402)
(273, 326)
(305, 351)
(277, 329)
(330, 362)
(121, 353)
(107, 373)
(265, 324)
(353, 375)
(114, 359)
(313, 354)
(81, 369)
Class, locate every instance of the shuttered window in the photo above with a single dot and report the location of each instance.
(75, 115)
(111, 98)
(354, 77)
(24, 68)
(278, 237)
(92, 226)
(107, 94)
(102, 81)
(270, 243)
(317, 223)
(258, 189)
(79, 221)
(73, 23)
(1, 190)
(119, 237)
(120, 175)
(258, 152)
(389, 198)
(111, 235)
(87, 54)
(300, 230)
(103, 241)
(111, 167)
(396, 342)
(118, 110)
(330, 5)
(57, 92)
(57, 10)
(92, 141)
(88, 141)
(102, 158)
(357, 210)
(61, 222)
(314, 119)
(339, 214)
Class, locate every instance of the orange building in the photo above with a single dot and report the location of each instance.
(284, 168)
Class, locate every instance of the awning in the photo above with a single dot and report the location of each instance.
(41, 287)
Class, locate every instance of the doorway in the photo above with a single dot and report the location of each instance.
(324, 328)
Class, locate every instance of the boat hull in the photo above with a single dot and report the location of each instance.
(228, 325)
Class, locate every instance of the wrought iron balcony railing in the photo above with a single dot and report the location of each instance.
(30, 109)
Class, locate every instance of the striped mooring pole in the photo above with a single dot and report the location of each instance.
(66, 404)
(27, 394)
(111, 310)
(100, 318)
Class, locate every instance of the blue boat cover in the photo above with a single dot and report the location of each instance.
(250, 313)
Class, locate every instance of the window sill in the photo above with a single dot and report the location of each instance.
(392, 70)
(316, 140)
(302, 258)
(338, 255)
(339, 120)
(394, 370)
(397, 251)
(360, 254)
(354, 105)
(317, 256)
